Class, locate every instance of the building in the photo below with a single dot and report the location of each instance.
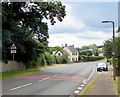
(70, 51)
(60, 52)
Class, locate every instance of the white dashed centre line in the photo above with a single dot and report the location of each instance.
(20, 86)
(44, 79)
(56, 75)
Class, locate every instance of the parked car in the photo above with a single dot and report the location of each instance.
(102, 66)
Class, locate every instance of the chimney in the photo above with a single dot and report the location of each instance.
(66, 45)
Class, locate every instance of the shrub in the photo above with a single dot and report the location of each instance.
(94, 58)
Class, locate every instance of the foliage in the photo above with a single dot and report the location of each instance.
(49, 59)
(89, 47)
(23, 25)
(84, 54)
(11, 74)
(108, 48)
(93, 47)
(94, 58)
(54, 49)
(87, 56)
(96, 53)
(78, 49)
(88, 53)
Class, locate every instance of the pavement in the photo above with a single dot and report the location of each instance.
(104, 86)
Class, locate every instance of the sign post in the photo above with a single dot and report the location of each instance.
(13, 49)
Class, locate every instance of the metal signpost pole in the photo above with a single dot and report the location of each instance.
(13, 51)
(13, 63)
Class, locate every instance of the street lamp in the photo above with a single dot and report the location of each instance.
(113, 53)
(113, 28)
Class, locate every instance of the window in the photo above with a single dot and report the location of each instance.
(74, 53)
(72, 59)
(59, 54)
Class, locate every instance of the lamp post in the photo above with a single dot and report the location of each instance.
(113, 53)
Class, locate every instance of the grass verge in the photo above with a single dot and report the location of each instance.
(11, 74)
(90, 86)
(117, 85)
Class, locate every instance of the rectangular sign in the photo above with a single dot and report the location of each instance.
(13, 51)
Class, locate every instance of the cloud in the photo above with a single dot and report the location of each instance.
(70, 22)
(82, 24)
(78, 39)
(90, 0)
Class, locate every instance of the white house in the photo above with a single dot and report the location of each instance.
(70, 51)
(59, 52)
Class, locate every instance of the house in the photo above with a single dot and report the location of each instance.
(70, 51)
(60, 52)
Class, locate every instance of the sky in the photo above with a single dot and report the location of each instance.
(83, 25)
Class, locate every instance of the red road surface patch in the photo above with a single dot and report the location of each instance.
(56, 78)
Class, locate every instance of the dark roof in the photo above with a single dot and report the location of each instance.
(62, 51)
(72, 49)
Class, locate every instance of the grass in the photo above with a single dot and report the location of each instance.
(90, 86)
(11, 74)
(117, 85)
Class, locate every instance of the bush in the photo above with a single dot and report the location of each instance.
(48, 59)
(94, 58)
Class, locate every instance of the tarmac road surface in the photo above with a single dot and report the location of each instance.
(55, 80)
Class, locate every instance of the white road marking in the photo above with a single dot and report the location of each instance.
(55, 74)
(80, 88)
(21, 86)
(82, 85)
(92, 72)
(44, 79)
(76, 92)
(84, 82)
(87, 78)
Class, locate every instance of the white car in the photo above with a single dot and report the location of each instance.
(102, 66)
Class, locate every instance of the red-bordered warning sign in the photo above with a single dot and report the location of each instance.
(13, 47)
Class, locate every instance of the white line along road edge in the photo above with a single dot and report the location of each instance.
(84, 82)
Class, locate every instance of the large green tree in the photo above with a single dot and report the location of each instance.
(110, 47)
(23, 24)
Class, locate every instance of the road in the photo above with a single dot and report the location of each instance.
(55, 80)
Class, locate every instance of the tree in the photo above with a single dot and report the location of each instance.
(93, 47)
(23, 25)
(54, 49)
(108, 48)
(117, 50)
(85, 47)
